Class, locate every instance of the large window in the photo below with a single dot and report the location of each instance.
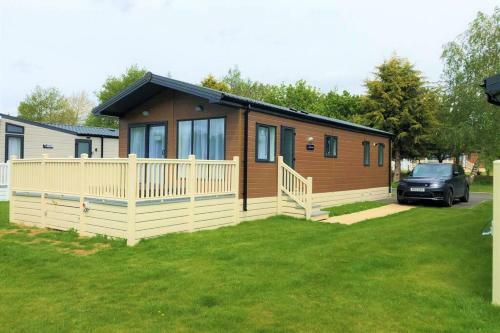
(381, 154)
(148, 140)
(366, 153)
(330, 146)
(204, 138)
(14, 141)
(265, 143)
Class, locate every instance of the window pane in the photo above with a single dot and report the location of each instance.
(14, 129)
(83, 147)
(184, 139)
(272, 145)
(200, 134)
(334, 147)
(328, 146)
(157, 141)
(262, 141)
(380, 155)
(138, 141)
(14, 146)
(366, 153)
(217, 137)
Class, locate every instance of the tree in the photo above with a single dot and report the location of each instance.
(397, 101)
(211, 82)
(299, 95)
(80, 106)
(442, 143)
(342, 106)
(46, 105)
(112, 86)
(471, 57)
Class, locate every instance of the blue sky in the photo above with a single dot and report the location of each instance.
(74, 45)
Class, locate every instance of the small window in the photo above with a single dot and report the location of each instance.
(330, 146)
(381, 147)
(14, 129)
(265, 143)
(366, 153)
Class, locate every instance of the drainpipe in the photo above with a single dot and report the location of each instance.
(390, 166)
(102, 147)
(245, 162)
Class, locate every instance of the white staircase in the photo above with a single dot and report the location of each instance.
(295, 194)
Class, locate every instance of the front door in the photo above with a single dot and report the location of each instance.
(83, 147)
(156, 141)
(288, 145)
(148, 140)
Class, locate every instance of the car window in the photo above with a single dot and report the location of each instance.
(432, 170)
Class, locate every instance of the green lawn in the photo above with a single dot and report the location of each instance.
(427, 269)
(481, 187)
(353, 207)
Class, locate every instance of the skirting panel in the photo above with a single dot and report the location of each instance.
(259, 208)
(330, 199)
(165, 218)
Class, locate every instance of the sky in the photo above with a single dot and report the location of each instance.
(75, 45)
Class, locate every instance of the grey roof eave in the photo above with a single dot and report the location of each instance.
(51, 127)
(218, 97)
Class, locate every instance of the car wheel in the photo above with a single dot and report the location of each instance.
(465, 198)
(402, 201)
(448, 198)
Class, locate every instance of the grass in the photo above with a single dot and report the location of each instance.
(482, 184)
(424, 270)
(353, 207)
(478, 187)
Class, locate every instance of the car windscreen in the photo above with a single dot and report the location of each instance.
(432, 170)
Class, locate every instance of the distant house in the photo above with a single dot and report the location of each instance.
(29, 139)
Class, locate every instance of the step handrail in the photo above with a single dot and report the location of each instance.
(297, 187)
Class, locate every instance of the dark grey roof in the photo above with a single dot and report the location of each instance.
(86, 130)
(151, 84)
(70, 129)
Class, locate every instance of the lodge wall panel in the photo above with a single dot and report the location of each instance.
(346, 172)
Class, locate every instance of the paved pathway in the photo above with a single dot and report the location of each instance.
(368, 214)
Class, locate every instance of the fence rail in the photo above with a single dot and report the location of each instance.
(114, 195)
(109, 178)
(295, 186)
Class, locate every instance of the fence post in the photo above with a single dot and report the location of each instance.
(496, 233)
(191, 189)
(8, 180)
(82, 228)
(236, 189)
(11, 196)
(131, 199)
(309, 198)
(280, 185)
(44, 188)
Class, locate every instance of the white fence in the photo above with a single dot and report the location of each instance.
(295, 186)
(496, 233)
(131, 198)
(4, 181)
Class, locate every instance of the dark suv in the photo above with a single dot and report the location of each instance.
(439, 182)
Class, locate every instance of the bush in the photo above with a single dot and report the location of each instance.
(480, 179)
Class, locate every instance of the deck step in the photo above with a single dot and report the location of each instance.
(319, 215)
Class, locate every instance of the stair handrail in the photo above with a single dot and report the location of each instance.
(296, 186)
